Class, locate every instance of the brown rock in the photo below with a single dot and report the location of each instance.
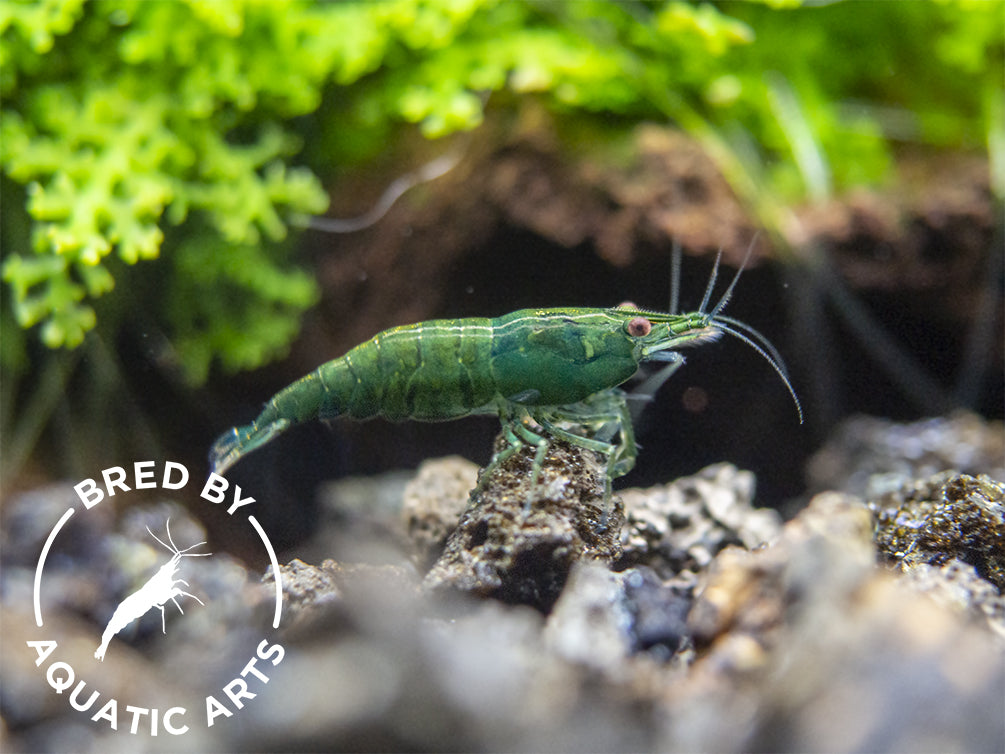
(517, 543)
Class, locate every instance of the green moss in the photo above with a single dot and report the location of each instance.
(142, 130)
(143, 115)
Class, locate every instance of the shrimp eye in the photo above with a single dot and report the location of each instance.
(639, 327)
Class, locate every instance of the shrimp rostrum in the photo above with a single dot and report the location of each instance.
(547, 373)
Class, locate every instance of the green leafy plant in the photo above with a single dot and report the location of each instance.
(123, 119)
(117, 137)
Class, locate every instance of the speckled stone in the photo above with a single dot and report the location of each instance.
(869, 456)
(518, 544)
(677, 528)
(945, 517)
(433, 503)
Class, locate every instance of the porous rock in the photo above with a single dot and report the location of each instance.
(958, 586)
(946, 533)
(947, 516)
(517, 542)
(677, 528)
(320, 598)
(433, 502)
(603, 618)
(869, 456)
(801, 644)
(806, 645)
(826, 550)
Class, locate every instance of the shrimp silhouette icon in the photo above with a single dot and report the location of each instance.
(160, 588)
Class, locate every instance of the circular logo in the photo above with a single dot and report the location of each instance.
(172, 586)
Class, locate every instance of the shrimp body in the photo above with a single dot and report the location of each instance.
(525, 362)
(539, 370)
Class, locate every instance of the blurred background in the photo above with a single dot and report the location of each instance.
(204, 201)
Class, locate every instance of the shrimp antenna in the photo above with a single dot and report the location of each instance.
(745, 332)
(645, 392)
(675, 263)
(167, 525)
(778, 366)
(761, 340)
(732, 285)
(428, 172)
(711, 284)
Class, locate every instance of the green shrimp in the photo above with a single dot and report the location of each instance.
(544, 372)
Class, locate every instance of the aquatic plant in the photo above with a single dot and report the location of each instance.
(172, 147)
(124, 120)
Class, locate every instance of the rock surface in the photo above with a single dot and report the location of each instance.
(947, 533)
(678, 528)
(705, 624)
(869, 456)
(517, 542)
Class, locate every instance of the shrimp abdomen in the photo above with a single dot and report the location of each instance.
(431, 371)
